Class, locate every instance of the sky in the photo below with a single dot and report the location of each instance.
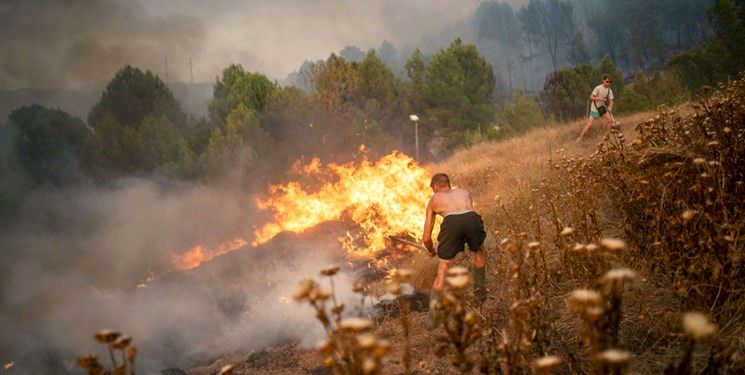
(60, 43)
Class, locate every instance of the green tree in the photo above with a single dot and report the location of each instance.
(139, 129)
(459, 92)
(723, 56)
(46, 144)
(566, 91)
(376, 81)
(241, 139)
(415, 70)
(352, 54)
(519, 115)
(335, 83)
(238, 86)
(133, 95)
(650, 91)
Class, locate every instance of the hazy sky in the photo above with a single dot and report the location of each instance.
(55, 43)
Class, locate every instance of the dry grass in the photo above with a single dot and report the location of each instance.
(599, 248)
(598, 251)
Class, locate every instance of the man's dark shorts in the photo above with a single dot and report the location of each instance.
(457, 230)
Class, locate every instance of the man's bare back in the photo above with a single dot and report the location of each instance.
(451, 201)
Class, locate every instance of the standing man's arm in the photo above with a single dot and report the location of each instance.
(429, 224)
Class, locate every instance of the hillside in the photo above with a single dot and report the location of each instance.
(504, 177)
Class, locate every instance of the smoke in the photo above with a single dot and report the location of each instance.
(56, 43)
(72, 259)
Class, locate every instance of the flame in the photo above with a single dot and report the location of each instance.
(9, 365)
(199, 254)
(383, 198)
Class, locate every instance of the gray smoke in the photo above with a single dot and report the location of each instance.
(72, 259)
(57, 43)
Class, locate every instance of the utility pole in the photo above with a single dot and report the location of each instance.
(166, 69)
(191, 72)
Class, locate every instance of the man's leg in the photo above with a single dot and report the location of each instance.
(479, 275)
(436, 294)
(608, 120)
(442, 270)
(588, 124)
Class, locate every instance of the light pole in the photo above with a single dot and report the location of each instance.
(415, 118)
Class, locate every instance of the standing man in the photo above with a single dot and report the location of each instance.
(460, 225)
(601, 105)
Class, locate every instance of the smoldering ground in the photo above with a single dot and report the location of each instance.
(72, 259)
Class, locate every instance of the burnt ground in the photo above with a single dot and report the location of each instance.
(291, 359)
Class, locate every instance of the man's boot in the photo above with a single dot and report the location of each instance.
(432, 315)
(479, 284)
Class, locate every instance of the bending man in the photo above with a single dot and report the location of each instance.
(460, 225)
(601, 105)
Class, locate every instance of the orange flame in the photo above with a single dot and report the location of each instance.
(9, 365)
(384, 198)
(199, 254)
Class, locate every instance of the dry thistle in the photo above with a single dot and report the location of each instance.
(330, 271)
(226, 370)
(458, 282)
(122, 342)
(612, 245)
(113, 340)
(106, 336)
(688, 215)
(614, 358)
(698, 326)
(547, 364)
(458, 271)
(304, 288)
(355, 324)
(582, 299)
(617, 278)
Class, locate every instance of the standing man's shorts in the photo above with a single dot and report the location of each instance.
(458, 229)
(594, 115)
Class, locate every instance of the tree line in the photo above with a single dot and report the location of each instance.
(259, 128)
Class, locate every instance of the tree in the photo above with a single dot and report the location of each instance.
(651, 91)
(376, 81)
(46, 144)
(459, 91)
(497, 24)
(240, 140)
(415, 70)
(551, 22)
(335, 83)
(352, 54)
(519, 115)
(566, 91)
(388, 55)
(133, 95)
(238, 86)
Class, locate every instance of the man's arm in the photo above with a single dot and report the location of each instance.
(594, 94)
(429, 224)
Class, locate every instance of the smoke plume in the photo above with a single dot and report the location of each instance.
(57, 43)
(72, 260)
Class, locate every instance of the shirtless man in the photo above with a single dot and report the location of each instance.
(460, 225)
